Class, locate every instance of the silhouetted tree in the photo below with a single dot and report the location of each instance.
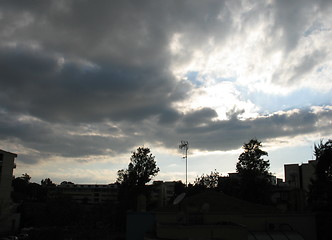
(25, 177)
(24, 190)
(251, 159)
(320, 189)
(209, 180)
(47, 182)
(141, 169)
(253, 170)
(66, 182)
(323, 153)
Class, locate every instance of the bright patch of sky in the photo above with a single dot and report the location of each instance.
(301, 98)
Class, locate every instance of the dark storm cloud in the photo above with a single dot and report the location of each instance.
(38, 85)
(230, 134)
(127, 32)
(70, 68)
(63, 140)
(202, 116)
(116, 57)
(169, 116)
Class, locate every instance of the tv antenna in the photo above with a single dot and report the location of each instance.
(185, 145)
(179, 199)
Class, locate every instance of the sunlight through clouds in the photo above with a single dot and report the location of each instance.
(222, 97)
(81, 93)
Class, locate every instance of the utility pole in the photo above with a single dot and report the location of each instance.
(185, 145)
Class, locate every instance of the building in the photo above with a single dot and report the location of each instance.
(299, 176)
(9, 219)
(6, 176)
(86, 193)
(274, 180)
(162, 192)
(214, 215)
(291, 195)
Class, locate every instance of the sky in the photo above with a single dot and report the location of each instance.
(83, 84)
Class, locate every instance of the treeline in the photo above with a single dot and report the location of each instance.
(253, 182)
(60, 217)
(24, 190)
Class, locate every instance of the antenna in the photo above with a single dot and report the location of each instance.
(185, 145)
(179, 198)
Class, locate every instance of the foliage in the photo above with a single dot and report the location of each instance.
(141, 169)
(208, 181)
(66, 183)
(323, 153)
(25, 177)
(24, 190)
(250, 161)
(320, 189)
(255, 179)
(47, 182)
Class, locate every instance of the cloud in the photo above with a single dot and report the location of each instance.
(268, 47)
(81, 80)
(199, 117)
(78, 91)
(71, 141)
(230, 134)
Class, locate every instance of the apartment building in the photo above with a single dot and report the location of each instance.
(9, 219)
(6, 176)
(86, 193)
(162, 192)
(300, 175)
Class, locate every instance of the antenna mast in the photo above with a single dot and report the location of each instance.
(185, 145)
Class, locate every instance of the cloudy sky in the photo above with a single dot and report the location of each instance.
(84, 83)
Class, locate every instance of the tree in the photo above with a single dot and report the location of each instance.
(320, 189)
(24, 190)
(47, 182)
(67, 183)
(141, 169)
(253, 170)
(26, 178)
(323, 153)
(251, 161)
(208, 181)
